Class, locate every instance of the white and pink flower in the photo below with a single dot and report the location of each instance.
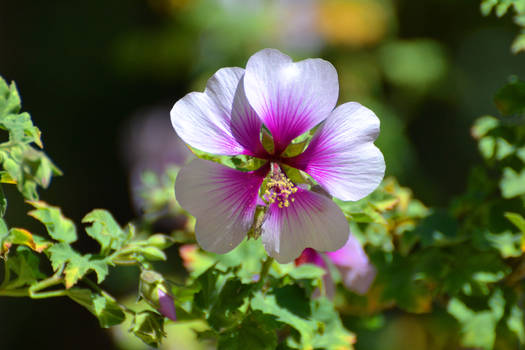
(287, 99)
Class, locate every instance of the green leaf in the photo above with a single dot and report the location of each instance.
(322, 330)
(105, 230)
(22, 236)
(515, 322)
(510, 99)
(487, 6)
(256, 332)
(507, 243)
(25, 264)
(148, 326)
(483, 125)
(478, 328)
(151, 253)
(333, 334)
(437, 229)
(512, 183)
(268, 305)
(108, 312)
(3, 202)
(226, 308)
(77, 265)
(306, 271)
(518, 44)
(58, 226)
(517, 220)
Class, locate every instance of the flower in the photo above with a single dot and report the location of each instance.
(356, 271)
(286, 99)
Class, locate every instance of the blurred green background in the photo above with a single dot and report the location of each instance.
(428, 68)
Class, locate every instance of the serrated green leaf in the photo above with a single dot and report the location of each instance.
(512, 184)
(105, 230)
(208, 290)
(58, 226)
(478, 328)
(268, 304)
(108, 312)
(323, 330)
(77, 265)
(226, 308)
(256, 332)
(148, 327)
(25, 265)
(334, 335)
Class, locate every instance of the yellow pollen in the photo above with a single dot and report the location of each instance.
(279, 189)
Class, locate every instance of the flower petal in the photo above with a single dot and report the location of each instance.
(204, 119)
(222, 199)
(312, 220)
(166, 305)
(342, 156)
(356, 270)
(290, 98)
(246, 124)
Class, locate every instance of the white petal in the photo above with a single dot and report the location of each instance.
(204, 119)
(290, 98)
(342, 156)
(222, 199)
(311, 221)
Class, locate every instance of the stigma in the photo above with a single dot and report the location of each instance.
(279, 188)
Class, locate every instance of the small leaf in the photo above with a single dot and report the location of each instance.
(149, 327)
(515, 322)
(108, 312)
(478, 328)
(151, 253)
(77, 265)
(25, 265)
(517, 220)
(512, 184)
(507, 243)
(58, 226)
(24, 237)
(105, 230)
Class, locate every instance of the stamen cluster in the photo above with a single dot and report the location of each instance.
(279, 189)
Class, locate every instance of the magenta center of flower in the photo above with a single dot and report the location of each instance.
(279, 189)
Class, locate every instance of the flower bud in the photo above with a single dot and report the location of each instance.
(153, 290)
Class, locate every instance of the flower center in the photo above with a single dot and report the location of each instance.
(279, 189)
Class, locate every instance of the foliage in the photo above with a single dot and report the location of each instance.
(500, 8)
(464, 263)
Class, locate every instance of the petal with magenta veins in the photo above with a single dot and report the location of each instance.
(204, 119)
(245, 124)
(311, 220)
(223, 200)
(290, 98)
(342, 156)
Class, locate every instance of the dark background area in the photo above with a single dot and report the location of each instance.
(84, 67)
